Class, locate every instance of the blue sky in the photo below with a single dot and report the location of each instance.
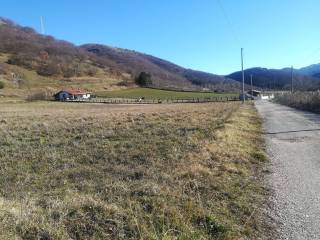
(200, 34)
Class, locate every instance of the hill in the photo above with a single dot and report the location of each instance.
(164, 73)
(312, 70)
(29, 60)
(278, 79)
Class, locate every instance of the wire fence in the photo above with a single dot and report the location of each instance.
(154, 101)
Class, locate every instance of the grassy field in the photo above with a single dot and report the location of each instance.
(309, 101)
(74, 171)
(149, 93)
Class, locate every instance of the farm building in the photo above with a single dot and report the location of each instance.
(72, 94)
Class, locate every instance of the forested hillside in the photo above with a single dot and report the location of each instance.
(43, 61)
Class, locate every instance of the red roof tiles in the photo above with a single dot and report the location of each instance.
(76, 91)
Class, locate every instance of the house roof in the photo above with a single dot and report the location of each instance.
(75, 91)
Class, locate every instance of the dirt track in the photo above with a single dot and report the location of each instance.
(293, 144)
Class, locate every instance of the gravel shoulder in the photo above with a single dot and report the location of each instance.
(293, 145)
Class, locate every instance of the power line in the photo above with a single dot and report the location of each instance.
(233, 32)
(291, 79)
(243, 95)
(251, 76)
(313, 54)
(42, 25)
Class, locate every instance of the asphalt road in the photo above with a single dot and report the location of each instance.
(293, 144)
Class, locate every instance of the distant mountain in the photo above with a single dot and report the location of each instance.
(103, 65)
(316, 75)
(278, 79)
(312, 70)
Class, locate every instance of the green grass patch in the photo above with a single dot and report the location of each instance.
(149, 93)
(259, 156)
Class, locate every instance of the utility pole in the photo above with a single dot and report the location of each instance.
(243, 95)
(251, 84)
(291, 79)
(42, 25)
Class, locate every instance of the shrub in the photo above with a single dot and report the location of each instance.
(309, 101)
(123, 83)
(68, 72)
(49, 69)
(144, 79)
(3, 69)
(92, 71)
(22, 59)
(1, 85)
(37, 96)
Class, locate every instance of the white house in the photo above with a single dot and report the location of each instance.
(72, 94)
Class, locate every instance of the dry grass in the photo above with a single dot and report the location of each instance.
(85, 171)
(309, 101)
(31, 82)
